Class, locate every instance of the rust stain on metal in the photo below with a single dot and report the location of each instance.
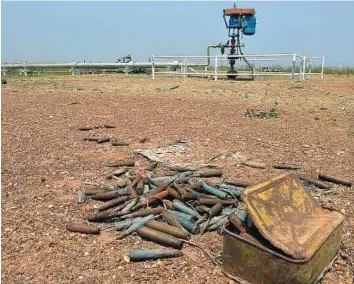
(170, 219)
(236, 222)
(286, 214)
(314, 181)
(334, 179)
(144, 212)
(82, 228)
(238, 182)
(168, 229)
(213, 201)
(159, 237)
(173, 193)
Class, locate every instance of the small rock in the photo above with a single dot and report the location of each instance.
(51, 117)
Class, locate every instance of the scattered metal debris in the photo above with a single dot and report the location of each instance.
(271, 113)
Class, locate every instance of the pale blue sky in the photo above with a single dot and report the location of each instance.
(104, 31)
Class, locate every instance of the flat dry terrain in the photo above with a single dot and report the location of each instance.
(45, 161)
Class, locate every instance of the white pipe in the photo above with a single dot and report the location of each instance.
(78, 65)
(229, 56)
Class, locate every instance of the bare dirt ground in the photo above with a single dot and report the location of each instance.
(45, 161)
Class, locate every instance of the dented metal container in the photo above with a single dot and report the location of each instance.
(299, 237)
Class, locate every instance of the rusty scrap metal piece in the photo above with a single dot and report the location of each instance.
(215, 210)
(237, 223)
(86, 128)
(151, 254)
(214, 191)
(238, 182)
(258, 264)
(218, 224)
(122, 225)
(181, 189)
(108, 126)
(188, 225)
(120, 207)
(170, 219)
(94, 190)
(196, 186)
(315, 181)
(280, 207)
(135, 226)
(119, 143)
(334, 179)
(179, 205)
(213, 201)
(150, 199)
(144, 212)
(152, 166)
(161, 187)
(179, 215)
(173, 193)
(254, 164)
(120, 164)
(168, 229)
(105, 196)
(189, 196)
(143, 139)
(202, 209)
(120, 172)
(135, 182)
(103, 140)
(168, 204)
(209, 174)
(130, 205)
(82, 228)
(250, 238)
(286, 167)
(113, 203)
(159, 237)
(91, 138)
(100, 216)
(140, 187)
(179, 169)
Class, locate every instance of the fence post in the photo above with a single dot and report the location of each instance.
(323, 63)
(293, 68)
(153, 67)
(303, 67)
(216, 68)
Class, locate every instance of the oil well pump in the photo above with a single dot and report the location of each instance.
(238, 21)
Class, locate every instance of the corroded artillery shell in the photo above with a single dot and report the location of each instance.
(82, 228)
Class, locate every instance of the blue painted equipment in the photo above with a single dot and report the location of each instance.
(241, 21)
